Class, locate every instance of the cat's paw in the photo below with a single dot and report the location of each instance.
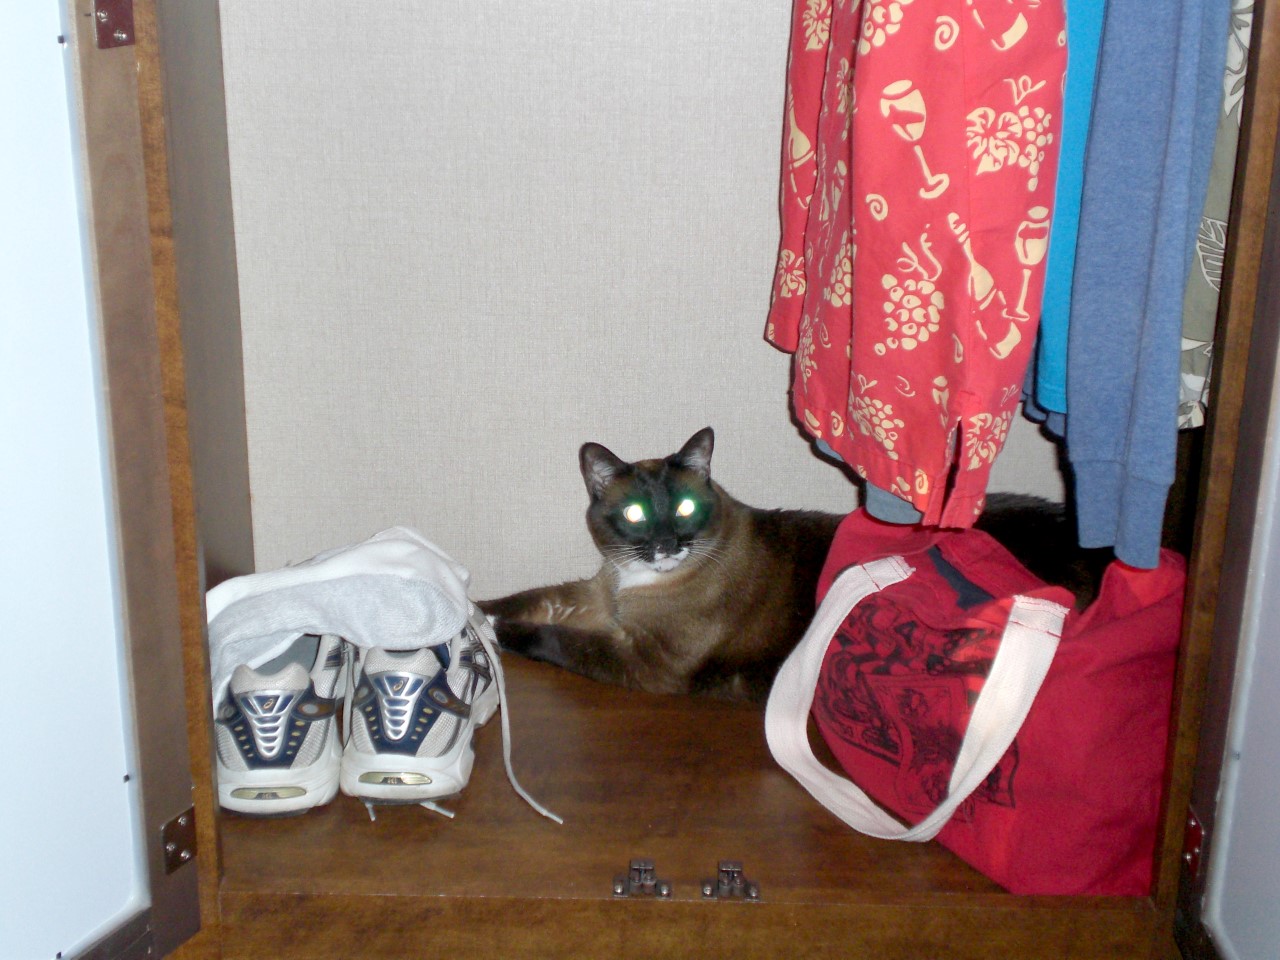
(516, 637)
(535, 641)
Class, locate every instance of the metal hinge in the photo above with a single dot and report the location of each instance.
(114, 22)
(730, 883)
(641, 880)
(178, 838)
(1193, 844)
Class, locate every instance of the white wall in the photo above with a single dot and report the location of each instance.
(68, 819)
(473, 236)
(1243, 886)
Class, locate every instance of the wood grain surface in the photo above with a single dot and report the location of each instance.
(683, 781)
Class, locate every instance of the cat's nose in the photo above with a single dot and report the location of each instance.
(666, 548)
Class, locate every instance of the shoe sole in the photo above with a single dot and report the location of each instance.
(396, 778)
(272, 793)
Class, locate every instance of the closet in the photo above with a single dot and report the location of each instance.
(685, 783)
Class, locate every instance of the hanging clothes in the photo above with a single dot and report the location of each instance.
(1084, 38)
(917, 189)
(1155, 115)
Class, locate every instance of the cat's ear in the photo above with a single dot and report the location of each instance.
(695, 455)
(600, 467)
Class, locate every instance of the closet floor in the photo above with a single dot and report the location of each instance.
(682, 781)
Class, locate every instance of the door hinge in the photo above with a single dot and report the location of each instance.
(178, 837)
(1192, 844)
(114, 22)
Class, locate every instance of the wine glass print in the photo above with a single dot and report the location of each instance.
(903, 105)
(1031, 241)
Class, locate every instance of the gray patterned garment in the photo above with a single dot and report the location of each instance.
(1204, 282)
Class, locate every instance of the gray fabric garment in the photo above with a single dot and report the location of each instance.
(880, 503)
(1200, 308)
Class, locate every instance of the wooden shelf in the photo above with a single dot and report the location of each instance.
(685, 782)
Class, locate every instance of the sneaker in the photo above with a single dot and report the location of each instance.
(277, 731)
(412, 716)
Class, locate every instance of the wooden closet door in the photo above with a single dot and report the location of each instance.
(1246, 346)
(155, 593)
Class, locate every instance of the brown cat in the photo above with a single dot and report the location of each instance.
(700, 593)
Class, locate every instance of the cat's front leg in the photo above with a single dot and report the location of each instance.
(596, 655)
(579, 603)
(572, 626)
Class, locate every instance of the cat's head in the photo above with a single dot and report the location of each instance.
(651, 516)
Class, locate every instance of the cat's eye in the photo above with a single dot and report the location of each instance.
(633, 513)
(686, 508)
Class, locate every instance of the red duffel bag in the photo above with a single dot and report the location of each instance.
(959, 695)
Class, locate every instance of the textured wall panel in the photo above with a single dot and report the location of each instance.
(472, 236)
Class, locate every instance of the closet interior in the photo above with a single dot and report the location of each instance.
(686, 783)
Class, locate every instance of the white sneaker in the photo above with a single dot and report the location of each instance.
(411, 719)
(278, 750)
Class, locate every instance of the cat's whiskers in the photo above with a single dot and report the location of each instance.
(629, 566)
(622, 556)
(711, 551)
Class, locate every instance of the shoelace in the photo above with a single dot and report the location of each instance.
(350, 667)
(488, 642)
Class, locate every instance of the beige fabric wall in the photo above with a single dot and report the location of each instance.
(472, 236)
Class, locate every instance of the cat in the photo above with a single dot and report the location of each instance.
(700, 593)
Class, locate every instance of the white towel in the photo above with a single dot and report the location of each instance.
(395, 590)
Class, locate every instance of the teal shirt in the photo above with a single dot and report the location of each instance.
(1084, 37)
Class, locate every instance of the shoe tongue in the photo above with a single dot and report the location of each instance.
(292, 677)
(422, 662)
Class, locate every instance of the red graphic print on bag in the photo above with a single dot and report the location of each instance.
(1074, 807)
(903, 691)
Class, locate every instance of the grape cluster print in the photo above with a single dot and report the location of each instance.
(913, 304)
(1017, 137)
(881, 19)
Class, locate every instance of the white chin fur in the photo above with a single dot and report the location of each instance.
(639, 573)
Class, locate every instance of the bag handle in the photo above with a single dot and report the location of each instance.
(1026, 650)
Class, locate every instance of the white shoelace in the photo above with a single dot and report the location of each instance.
(429, 804)
(488, 640)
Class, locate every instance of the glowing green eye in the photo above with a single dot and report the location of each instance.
(634, 513)
(685, 508)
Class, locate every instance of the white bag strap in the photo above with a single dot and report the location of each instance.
(1025, 653)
